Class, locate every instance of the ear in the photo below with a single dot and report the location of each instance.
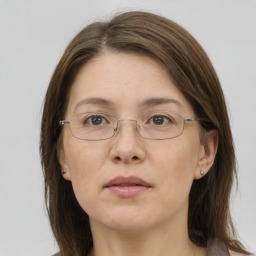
(207, 154)
(63, 163)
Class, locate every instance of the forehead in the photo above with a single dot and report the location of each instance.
(125, 81)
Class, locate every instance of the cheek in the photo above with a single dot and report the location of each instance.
(84, 157)
(177, 162)
(179, 158)
(85, 162)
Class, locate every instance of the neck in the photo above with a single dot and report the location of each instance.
(161, 240)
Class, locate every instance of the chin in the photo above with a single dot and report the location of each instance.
(128, 221)
(128, 227)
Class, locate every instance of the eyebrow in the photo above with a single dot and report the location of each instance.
(94, 101)
(106, 103)
(158, 101)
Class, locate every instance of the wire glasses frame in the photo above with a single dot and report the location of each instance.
(96, 126)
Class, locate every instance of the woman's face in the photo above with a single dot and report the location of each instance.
(126, 85)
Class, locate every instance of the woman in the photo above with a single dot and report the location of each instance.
(136, 144)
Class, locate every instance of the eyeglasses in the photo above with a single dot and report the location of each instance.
(95, 126)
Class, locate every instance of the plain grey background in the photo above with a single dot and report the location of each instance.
(33, 35)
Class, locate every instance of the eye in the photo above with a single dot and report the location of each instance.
(95, 120)
(160, 120)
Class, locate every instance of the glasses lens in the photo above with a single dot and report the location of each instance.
(160, 125)
(100, 126)
(92, 126)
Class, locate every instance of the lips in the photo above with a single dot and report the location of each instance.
(129, 181)
(127, 186)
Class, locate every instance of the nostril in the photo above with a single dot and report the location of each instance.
(118, 158)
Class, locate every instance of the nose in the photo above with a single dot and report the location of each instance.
(128, 146)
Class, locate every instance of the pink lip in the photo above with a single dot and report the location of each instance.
(127, 186)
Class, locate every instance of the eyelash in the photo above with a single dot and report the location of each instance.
(89, 119)
(148, 120)
(166, 118)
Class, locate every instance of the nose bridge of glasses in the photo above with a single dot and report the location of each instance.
(123, 121)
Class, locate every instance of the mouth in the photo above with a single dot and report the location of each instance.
(127, 186)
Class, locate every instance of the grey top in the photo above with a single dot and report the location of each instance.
(214, 248)
(217, 248)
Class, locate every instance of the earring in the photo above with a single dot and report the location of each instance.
(63, 172)
(202, 172)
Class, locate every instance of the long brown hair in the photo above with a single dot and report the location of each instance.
(188, 65)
